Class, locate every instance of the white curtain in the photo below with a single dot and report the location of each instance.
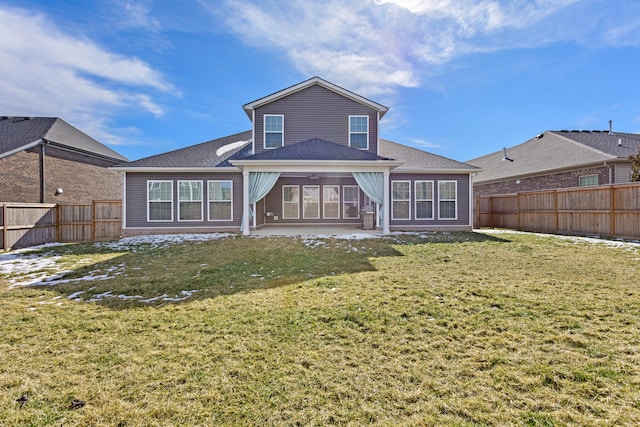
(372, 183)
(260, 183)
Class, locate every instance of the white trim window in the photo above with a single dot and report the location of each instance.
(350, 202)
(401, 200)
(423, 199)
(447, 199)
(220, 194)
(189, 200)
(159, 201)
(331, 201)
(273, 131)
(290, 202)
(359, 132)
(311, 202)
(588, 180)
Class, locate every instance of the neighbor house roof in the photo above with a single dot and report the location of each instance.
(21, 133)
(553, 151)
(249, 107)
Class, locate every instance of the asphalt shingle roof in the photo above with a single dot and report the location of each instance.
(206, 154)
(17, 132)
(316, 149)
(416, 159)
(557, 150)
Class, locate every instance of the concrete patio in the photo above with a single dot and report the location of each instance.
(311, 230)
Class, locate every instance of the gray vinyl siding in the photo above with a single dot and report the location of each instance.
(315, 112)
(462, 205)
(136, 200)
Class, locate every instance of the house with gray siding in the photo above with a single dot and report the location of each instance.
(558, 159)
(313, 156)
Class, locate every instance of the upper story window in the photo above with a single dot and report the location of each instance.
(160, 200)
(273, 130)
(359, 132)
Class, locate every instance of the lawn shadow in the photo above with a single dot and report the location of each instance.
(182, 272)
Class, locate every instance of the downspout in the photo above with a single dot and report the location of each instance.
(42, 169)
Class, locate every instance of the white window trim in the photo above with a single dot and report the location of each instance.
(440, 199)
(209, 200)
(324, 201)
(400, 200)
(264, 131)
(359, 133)
(416, 200)
(304, 211)
(588, 176)
(159, 201)
(201, 201)
(283, 202)
(344, 202)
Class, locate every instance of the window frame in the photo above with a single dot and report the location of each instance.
(210, 200)
(265, 131)
(150, 181)
(351, 132)
(407, 201)
(325, 201)
(441, 199)
(346, 202)
(297, 202)
(416, 199)
(594, 175)
(304, 210)
(191, 201)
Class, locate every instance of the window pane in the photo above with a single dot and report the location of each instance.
(273, 123)
(447, 190)
(447, 209)
(400, 210)
(424, 190)
(159, 190)
(290, 202)
(219, 211)
(190, 211)
(359, 124)
(273, 140)
(311, 202)
(588, 180)
(401, 191)
(351, 202)
(190, 190)
(359, 140)
(290, 193)
(220, 190)
(424, 210)
(160, 211)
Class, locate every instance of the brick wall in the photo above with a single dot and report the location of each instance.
(543, 182)
(81, 178)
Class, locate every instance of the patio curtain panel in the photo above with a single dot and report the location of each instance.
(372, 183)
(260, 183)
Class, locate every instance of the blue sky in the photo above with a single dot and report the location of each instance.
(462, 78)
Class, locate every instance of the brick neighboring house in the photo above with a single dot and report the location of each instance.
(557, 159)
(39, 155)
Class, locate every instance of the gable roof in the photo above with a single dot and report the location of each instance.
(21, 133)
(557, 150)
(316, 149)
(249, 107)
(214, 153)
(419, 160)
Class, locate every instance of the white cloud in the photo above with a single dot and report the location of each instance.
(47, 72)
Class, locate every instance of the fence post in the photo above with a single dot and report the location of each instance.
(556, 214)
(93, 220)
(58, 223)
(5, 229)
(613, 210)
(518, 211)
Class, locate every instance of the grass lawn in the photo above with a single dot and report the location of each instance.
(413, 329)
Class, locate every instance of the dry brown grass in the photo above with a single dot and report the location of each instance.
(522, 330)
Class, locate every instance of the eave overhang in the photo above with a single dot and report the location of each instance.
(174, 169)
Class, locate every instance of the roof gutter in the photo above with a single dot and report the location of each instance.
(22, 148)
(173, 169)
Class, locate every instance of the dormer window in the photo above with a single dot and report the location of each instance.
(273, 130)
(359, 132)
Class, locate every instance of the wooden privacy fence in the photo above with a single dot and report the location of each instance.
(23, 225)
(611, 211)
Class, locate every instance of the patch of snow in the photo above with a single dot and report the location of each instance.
(618, 243)
(226, 148)
(161, 240)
